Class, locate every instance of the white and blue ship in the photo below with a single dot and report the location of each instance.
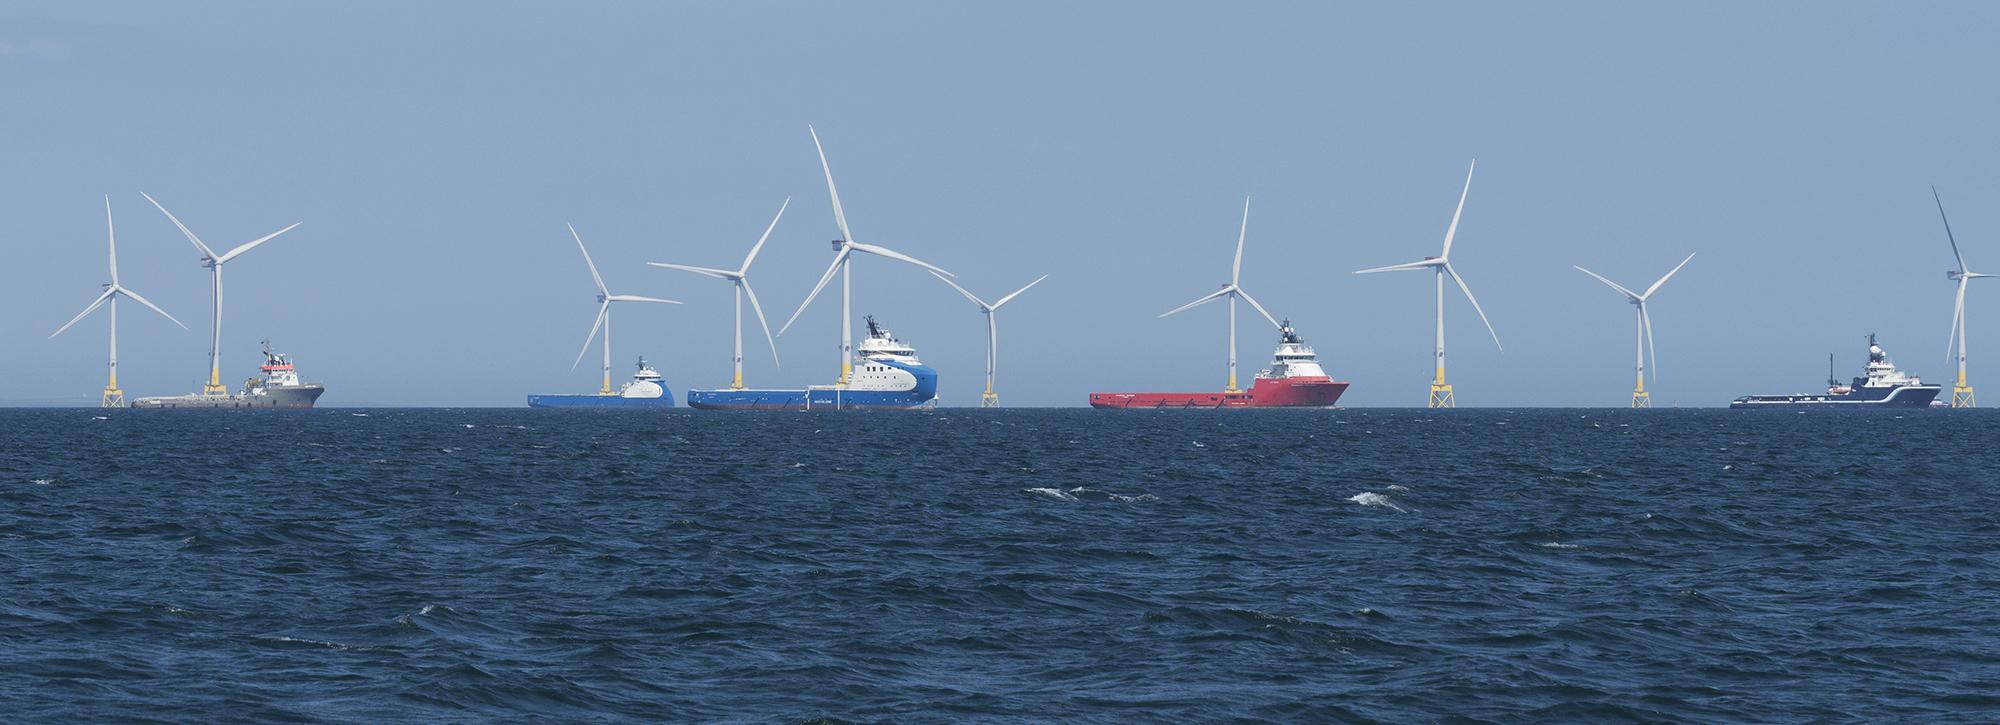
(1883, 386)
(886, 376)
(646, 389)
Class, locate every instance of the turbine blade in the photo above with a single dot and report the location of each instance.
(1947, 229)
(1670, 274)
(704, 271)
(183, 227)
(898, 256)
(1424, 264)
(767, 235)
(1652, 353)
(823, 279)
(1452, 231)
(1260, 308)
(961, 290)
(1205, 299)
(586, 260)
(839, 216)
(1475, 305)
(637, 298)
(112, 233)
(992, 344)
(603, 308)
(247, 246)
(1957, 319)
(1236, 270)
(94, 304)
(1614, 285)
(1017, 293)
(759, 309)
(148, 303)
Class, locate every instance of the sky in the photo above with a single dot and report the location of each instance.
(435, 151)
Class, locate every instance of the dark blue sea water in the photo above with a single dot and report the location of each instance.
(1060, 565)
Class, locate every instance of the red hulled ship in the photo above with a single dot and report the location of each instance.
(1294, 380)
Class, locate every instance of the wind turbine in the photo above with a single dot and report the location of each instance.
(1961, 393)
(990, 399)
(740, 279)
(1441, 396)
(604, 300)
(1644, 333)
(1232, 291)
(113, 397)
(843, 249)
(214, 263)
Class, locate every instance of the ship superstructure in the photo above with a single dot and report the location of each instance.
(1295, 380)
(1881, 384)
(884, 375)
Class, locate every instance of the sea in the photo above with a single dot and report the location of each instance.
(1054, 565)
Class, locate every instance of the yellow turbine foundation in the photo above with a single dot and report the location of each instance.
(113, 397)
(1441, 392)
(1961, 394)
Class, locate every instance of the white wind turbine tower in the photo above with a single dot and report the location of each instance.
(1644, 333)
(214, 263)
(990, 399)
(113, 397)
(740, 279)
(1961, 393)
(604, 300)
(1441, 396)
(843, 248)
(1232, 291)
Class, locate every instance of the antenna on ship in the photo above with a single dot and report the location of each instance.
(1830, 379)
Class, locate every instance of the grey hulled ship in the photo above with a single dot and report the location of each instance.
(277, 386)
(1882, 386)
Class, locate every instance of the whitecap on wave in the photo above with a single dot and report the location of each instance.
(1371, 498)
(1080, 493)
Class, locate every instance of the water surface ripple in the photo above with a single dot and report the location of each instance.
(1072, 565)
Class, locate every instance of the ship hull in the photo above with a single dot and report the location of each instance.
(286, 397)
(1907, 396)
(1266, 393)
(594, 400)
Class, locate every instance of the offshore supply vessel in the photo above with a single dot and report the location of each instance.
(1881, 386)
(278, 386)
(1294, 380)
(646, 389)
(887, 376)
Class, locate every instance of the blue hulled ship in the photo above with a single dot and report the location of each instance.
(646, 389)
(1883, 386)
(887, 376)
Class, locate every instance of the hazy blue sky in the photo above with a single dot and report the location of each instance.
(435, 150)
